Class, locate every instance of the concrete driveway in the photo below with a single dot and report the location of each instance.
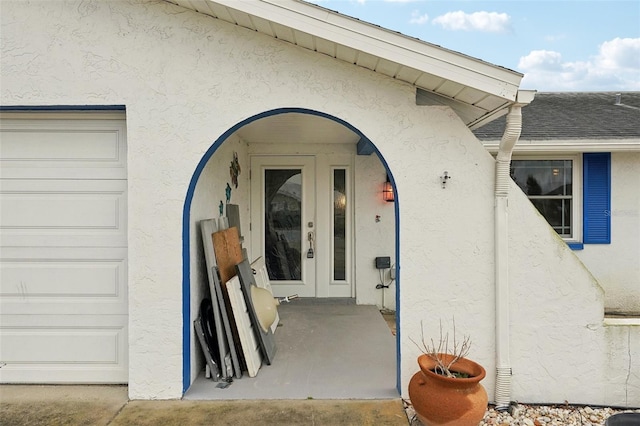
(37, 405)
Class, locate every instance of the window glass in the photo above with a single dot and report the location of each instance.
(548, 184)
(339, 225)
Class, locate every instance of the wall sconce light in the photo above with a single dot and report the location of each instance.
(387, 191)
(444, 178)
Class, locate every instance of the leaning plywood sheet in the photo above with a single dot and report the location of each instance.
(265, 338)
(261, 276)
(228, 252)
(226, 244)
(246, 330)
(228, 361)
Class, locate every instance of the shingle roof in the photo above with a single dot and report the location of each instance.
(579, 115)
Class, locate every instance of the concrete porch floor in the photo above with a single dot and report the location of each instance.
(333, 402)
(327, 349)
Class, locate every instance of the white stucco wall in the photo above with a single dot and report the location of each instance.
(209, 191)
(186, 78)
(546, 330)
(617, 265)
(374, 237)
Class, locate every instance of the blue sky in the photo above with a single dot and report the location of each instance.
(575, 45)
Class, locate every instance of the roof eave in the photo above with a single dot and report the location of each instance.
(386, 44)
(566, 146)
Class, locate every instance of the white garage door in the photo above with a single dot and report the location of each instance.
(63, 248)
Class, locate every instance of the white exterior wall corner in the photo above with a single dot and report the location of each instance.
(185, 79)
(617, 265)
(446, 237)
(557, 312)
(379, 236)
(621, 380)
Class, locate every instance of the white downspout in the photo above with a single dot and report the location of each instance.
(503, 163)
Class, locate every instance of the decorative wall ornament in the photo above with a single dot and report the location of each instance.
(221, 208)
(444, 178)
(228, 192)
(234, 169)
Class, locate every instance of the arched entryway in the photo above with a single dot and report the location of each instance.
(373, 166)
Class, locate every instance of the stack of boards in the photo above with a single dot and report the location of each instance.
(227, 326)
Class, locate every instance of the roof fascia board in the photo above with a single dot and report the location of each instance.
(523, 98)
(567, 146)
(385, 44)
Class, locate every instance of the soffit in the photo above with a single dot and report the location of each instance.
(297, 128)
(476, 90)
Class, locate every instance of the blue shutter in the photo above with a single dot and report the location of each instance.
(597, 198)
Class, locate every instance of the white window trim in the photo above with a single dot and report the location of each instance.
(576, 190)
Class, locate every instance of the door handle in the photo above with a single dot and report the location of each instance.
(311, 239)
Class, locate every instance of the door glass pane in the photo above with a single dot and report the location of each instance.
(282, 230)
(339, 225)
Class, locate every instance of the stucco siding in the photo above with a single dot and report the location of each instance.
(446, 238)
(544, 273)
(560, 349)
(375, 236)
(620, 375)
(186, 79)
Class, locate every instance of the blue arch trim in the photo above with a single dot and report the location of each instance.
(186, 215)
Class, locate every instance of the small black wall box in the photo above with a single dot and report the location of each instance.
(383, 262)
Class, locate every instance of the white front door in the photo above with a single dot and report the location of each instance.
(300, 224)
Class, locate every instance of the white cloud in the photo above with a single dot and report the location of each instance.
(417, 18)
(545, 60)
(615, 67)
(478, 21)
(620, 53)
(554, 38)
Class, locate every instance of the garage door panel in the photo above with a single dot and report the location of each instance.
(63, 248)
(63, 213)
(54, 149)
(63, 280)
(71, 348)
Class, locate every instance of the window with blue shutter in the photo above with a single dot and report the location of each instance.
(597, 198)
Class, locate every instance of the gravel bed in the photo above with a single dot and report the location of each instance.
(539, 415)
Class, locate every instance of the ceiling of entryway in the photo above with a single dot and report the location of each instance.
(296, 128)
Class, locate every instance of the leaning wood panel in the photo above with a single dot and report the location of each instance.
(247, 334)
(228, 253)
(226, 244)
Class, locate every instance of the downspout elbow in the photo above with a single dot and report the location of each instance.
(505, 150)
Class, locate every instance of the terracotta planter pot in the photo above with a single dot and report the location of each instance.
(440, 400)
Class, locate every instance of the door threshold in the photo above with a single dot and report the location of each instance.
(324, 301)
